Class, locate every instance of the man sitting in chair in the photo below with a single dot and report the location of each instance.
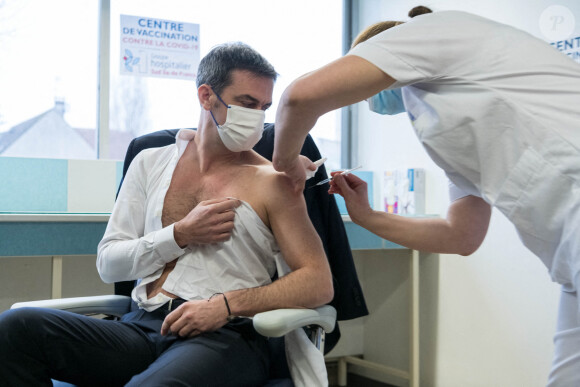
(203, 224)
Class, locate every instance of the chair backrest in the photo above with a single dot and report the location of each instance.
(323, 212)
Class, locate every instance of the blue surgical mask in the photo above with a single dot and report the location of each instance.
(387, 102)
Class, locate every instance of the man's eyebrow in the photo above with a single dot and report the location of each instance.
(248, 98)
(245, 97)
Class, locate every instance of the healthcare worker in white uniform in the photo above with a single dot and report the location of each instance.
(497, 109)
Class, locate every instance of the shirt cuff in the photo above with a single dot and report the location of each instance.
(166, 247)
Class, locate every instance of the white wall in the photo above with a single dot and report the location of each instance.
(496, 309)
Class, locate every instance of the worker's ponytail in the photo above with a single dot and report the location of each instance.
(373, 30)
(419, 10)
(379, 27)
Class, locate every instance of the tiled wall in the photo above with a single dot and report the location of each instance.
(52, 185)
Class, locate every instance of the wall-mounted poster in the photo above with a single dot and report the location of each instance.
(153, 47)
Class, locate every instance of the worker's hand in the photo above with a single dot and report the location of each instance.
(354, 191)
(211, 221)
(195, 317)
(296, 171)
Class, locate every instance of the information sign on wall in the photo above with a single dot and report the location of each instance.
(558, 25)
(159, 48)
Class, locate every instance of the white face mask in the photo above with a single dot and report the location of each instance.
(243, 127)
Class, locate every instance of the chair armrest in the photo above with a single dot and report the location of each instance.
(277, 323)
(109, 305)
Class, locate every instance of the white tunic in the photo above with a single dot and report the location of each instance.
(499, 111)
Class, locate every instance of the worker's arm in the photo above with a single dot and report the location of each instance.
(345, 81)
(461, 232)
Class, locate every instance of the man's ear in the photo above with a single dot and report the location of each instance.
(204, 94)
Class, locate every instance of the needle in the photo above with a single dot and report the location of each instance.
(342, 173)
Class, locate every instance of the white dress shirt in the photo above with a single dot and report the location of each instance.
(137, 246)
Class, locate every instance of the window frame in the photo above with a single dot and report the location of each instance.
(348, 114)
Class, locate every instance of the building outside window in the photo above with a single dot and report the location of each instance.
(48, 77)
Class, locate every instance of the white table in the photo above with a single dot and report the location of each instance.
(361, 239)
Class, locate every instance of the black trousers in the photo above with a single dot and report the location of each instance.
(37, 345)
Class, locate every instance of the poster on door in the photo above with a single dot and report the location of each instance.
(152, 47)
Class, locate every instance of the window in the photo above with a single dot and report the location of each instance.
(48, 73)
(295, 36)
(50, 67)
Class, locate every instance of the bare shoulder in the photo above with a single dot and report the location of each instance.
(276, 186)
(272, 190)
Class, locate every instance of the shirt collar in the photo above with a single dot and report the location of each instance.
(183, 137)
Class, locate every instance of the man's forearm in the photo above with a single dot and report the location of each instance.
(303, 288)
(122, 260)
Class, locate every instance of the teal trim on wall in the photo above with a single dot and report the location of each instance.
(28, 184)
(82, 238)
(50, 238)
(362, 239)
(359, 238)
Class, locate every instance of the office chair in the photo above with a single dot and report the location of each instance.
(274, 324)
(348, 302)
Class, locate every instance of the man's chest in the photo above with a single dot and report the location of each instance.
(190, 187)
(185, 192)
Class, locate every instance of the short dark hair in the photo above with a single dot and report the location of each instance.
(216, 67)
